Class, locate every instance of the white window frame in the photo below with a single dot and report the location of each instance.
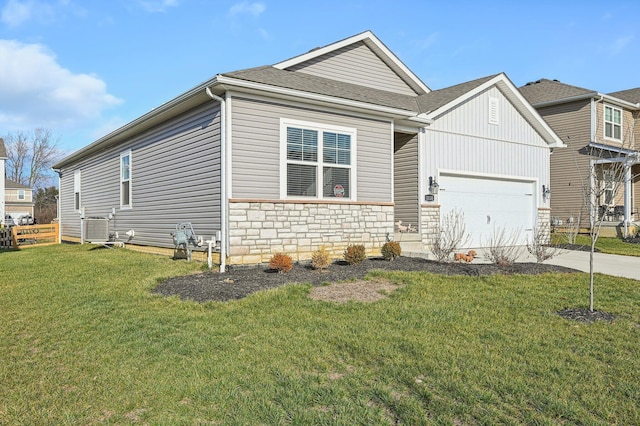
(21, 195)
(77, 196)
(612, 122)
(129, 205)
(320, 164)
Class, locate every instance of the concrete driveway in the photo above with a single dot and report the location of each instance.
(610, 264)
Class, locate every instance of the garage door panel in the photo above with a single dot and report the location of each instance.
(489, 205)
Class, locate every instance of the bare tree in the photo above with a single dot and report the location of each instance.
(609, 170)
(30, 156)
(451, 235)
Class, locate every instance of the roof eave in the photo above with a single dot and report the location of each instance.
(139, 124)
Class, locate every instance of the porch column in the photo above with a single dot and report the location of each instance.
(627, 193)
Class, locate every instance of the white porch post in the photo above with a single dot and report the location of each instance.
(627, 193)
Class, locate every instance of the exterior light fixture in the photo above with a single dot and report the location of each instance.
(433, 185)
(546, 192)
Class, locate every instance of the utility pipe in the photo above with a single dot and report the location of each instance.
(223, 179)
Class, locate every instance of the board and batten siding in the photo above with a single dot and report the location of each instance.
(570, 165)
(175, 177)
(356, 64)
(256, 149)
(405, 182)
(463, 140)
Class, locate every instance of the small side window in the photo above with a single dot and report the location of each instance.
(76, 190)
(125, 180)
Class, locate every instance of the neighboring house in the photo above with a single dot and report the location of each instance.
(329, 148)
(3, 160)
(18, 199)
(599, 128)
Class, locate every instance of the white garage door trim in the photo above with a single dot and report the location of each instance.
(490, 203)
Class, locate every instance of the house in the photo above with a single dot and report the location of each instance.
(18, 199)
(329, 148)
(600, 130)
(3, 159)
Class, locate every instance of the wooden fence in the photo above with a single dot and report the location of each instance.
(29, 236)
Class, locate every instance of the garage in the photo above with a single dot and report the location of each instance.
(490, 204)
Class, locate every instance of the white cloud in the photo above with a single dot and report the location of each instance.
(15, 12)
(245, 7)
(157, 6)
(36, 91)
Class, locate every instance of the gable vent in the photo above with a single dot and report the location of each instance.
(493, 110)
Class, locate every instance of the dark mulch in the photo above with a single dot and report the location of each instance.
(240, 282)
(585, 315)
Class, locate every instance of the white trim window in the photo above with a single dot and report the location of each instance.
(125, 180)
(317, 161)
(612, 123)
(21, 195)
(607, 176)
(76, 190)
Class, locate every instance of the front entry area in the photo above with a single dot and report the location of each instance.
(490, 204)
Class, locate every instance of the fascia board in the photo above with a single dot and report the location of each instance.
(116, 135)
(592, 95)
(367, 37)
(298, 94)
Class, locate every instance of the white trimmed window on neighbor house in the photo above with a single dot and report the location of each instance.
(612, 122)
(76, 190)
(21, 195)
(318, 161)
(125, 180)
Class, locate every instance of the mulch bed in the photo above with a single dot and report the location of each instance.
(240, 282)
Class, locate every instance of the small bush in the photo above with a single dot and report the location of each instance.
(390, 250)
(320, 259)
(355, 254)
(281, 262)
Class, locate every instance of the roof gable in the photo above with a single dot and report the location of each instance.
(451, 97)
(9, 184)
(361, 59)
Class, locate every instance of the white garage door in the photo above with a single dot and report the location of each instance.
(489, 206)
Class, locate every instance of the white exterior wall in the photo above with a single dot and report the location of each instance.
(2, 174)
(463, 140)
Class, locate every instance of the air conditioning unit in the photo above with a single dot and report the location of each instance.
(96, 230)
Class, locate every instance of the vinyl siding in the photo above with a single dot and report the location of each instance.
(570, 165)
(406, 179)
(356, 64)
(256, 149)
(175, 177)
(463, 140)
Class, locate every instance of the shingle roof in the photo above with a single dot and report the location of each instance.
(545, 90)
(437, 98)
(9, 184)
(324, 86)
(630, 95)
(3, 150)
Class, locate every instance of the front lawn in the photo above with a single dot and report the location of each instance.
(84, 341)
(604, 244)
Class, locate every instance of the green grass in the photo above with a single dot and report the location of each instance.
(605, 245)
(83, 341)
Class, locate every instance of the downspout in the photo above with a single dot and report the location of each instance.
(223, 179)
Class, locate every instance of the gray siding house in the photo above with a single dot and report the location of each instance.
(329, 148)
(598, 129)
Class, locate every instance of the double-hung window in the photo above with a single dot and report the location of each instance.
(21, 195)
(612, 122)
(125, 180)
(317, 161)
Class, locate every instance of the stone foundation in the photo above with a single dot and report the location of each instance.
(544, 221)
(430, 224)
(258, 230)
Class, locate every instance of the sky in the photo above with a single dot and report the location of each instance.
(84, 68)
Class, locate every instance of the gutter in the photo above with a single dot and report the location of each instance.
(224, 200)
(589, 95)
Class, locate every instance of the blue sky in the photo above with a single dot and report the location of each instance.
(84, 68)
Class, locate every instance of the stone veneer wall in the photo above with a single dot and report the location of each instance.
(259, 229)
(544, 220)
(430, 218)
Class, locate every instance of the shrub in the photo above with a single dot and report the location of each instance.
(539, 245)
(451, 234)
(281, 262)
(502, 249)
(355, 254)
(390, 250)
(320, 259)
